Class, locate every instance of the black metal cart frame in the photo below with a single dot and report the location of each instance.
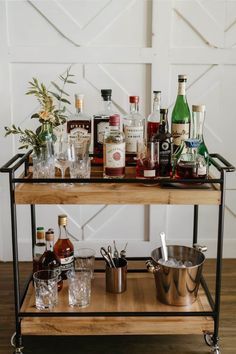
(22, 160)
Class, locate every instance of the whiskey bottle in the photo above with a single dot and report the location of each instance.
(64, 248)
(49, 260)
(101, 125)
(80, 122)
(134, 124)
(165, 145)
(198, 118)
(153, 120)
(180, 120)
(114, 149)
(39, 247)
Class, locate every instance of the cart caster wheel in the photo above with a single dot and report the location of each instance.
(208, 339)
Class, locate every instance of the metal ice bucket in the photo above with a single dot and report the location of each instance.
(178, 286)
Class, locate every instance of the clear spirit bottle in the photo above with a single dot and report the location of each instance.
(79, 123)
(134, 124)
(114, 149)
(181, 118)
(64, 248)
(153, 120)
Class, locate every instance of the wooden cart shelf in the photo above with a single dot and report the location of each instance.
(139, 297)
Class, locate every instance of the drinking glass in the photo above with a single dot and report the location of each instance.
(43, 161)
(81, 164)
(46, 291)
(64, 155)
(79, 288)
(84, 260)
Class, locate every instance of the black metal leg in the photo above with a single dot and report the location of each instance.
(18, 337)
(219, 260)
(195, 224)
(33, 226)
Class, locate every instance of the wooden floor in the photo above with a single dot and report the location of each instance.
(121, 345)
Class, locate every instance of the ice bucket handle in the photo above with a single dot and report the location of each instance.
(151, 267)
(200, 248)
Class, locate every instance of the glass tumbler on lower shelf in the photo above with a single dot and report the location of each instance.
(79, 288)
(46, 291)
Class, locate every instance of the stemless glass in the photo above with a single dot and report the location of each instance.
(64, 154)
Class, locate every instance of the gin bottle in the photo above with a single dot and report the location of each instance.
(64, 248)
(180, 120)
(114, 149)
(134, 124)
(153, 120)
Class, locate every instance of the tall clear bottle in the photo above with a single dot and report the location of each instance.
(114, 149)
(181, 117)
(64, 248)
(39, 247)
(80, 122)
(101, 125)
(198, 118)
(153, 120)
(134, 124)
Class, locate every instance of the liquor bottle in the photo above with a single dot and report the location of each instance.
(147, 161)
(49, 260)
(165, 145)
(134, 124)
(64, 248)
(198, 118)
(180, 120)
(39, 247)
(101, 125)
(80, 122)
(153, 119)
(114, 150)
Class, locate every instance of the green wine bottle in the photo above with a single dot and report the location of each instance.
(180, 119)
(198, 118)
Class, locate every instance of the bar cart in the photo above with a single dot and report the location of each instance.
(137, 311)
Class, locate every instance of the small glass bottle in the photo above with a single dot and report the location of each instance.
(153, 120)
(114, 149)
(164, 138)
(191, 164)
(39, 247)
(80, 122)
(49, 260)
(134, 124)
(181, 118)
(198, 118)
(63, 247)
(101, 125)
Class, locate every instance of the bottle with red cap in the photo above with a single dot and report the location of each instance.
(134, 124)
(114, 150)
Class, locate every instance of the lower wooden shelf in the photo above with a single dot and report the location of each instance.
(139, 297)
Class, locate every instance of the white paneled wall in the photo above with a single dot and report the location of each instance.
(133, 47)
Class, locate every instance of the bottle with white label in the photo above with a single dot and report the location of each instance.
(80, 122)
(181, 118)
(134, 124)
(64, 248)
(114, 150)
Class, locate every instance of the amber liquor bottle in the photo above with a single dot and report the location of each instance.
(39, 247)
(64, 248)
(114, 150)
(101, 125)
(79, 123)
(49, 260)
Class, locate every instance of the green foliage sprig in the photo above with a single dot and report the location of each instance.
(54, 113)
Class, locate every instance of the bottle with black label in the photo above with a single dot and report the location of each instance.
(165, 145)
(64, 248)
(101, 125)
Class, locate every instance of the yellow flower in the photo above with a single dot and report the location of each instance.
(45, 115)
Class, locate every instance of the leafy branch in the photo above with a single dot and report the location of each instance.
(27, 138)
